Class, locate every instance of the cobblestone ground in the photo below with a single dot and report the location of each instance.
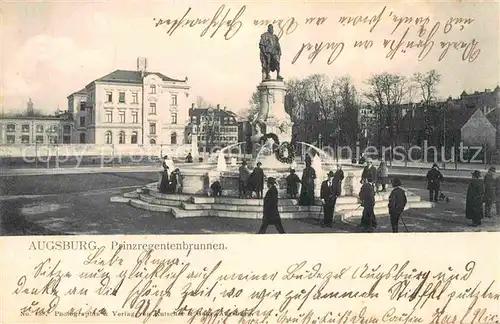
(79, 204)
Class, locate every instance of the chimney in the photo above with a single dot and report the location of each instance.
(142, 65)
(225, 108)
(487, 90)
(218, 106)
(30, 109)
(192, 105)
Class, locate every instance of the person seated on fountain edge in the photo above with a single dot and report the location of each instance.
(292, 184)
(256, 181)
(216, 188)
(175, 185)
(189, 158)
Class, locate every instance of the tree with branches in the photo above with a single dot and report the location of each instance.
(387, 92)
(202, 103)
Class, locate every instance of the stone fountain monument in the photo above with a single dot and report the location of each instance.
(271, 124)
(271, 118)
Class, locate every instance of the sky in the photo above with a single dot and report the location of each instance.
(51, 49)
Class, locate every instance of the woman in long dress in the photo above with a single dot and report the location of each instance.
(164, 184)
(307, 190)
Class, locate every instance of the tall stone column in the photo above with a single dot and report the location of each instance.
(272, 109)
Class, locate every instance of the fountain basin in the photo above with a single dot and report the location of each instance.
(197, 180)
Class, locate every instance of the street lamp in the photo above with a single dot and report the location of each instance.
(320, 144)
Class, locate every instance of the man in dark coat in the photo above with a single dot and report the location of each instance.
(328, 195)
(189, 158)
(367, 199)
(244, 173)
(271, 215)
(369, 172)
(489, 191)
(292, 184)
(434, 178)
(256, 180)
(397, 203)
(338, 177)
(474, 202)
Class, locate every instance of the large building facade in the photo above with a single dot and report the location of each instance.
(131, 107)
(30, 129)
(215, 127)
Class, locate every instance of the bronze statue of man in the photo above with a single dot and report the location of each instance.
(270, 53)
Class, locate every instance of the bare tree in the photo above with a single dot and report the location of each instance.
(387, 92)
(427, 84)
(349, 104)
(202, 103)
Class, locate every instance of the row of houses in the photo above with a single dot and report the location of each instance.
(126, 107)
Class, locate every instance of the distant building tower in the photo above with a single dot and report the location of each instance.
(142, 65)
(30, 110)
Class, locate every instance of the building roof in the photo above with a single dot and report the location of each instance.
(196, 112)
(134, 77)
(493, 117)
(79, 92)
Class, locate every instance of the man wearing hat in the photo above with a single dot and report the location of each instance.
(489, 191)
(271, 215)
(256, 180)
(328, 194)
(367, 199)
(369, 172)
(244, 174)
(475, 197)
(434, 178)
(292, 184)
(397, 203)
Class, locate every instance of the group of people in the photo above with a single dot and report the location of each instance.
(170, 183)
(250, 182)
(482, 192)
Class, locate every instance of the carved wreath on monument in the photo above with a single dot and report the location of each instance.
(285, 152)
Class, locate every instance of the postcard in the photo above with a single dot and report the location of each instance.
(250, 162)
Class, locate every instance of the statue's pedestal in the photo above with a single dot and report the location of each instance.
(272, 109)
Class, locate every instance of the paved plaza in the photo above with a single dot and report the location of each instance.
(79, 204)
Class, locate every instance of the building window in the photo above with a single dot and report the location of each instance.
(135, 118)
(152, 128)
(173, 138)
(152, 89)
(25, 139)
(121, 97)
(11, 128)
(122, 117)
(82, 138)
(133, 139)
(82, 106)
(11, 139)
(53, 139)
(39, 139)
(109, 96)
(152, 141)
(67, 139)
(66, 129)
(109, 116)
(25, 128)
(82, 121)
(108, 137)
(152, 108)
(135, 97)
(173, 118)
(121, 138)
(174, 100)
(39, 128)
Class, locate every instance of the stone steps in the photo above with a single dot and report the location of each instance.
(182, 206)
